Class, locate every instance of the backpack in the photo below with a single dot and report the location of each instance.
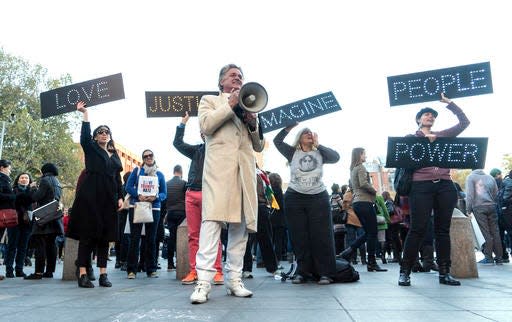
(345, 272)
(339, 216)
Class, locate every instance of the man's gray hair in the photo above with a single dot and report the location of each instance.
(224, 70)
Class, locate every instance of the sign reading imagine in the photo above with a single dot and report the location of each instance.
(452, 153)
(460, 81)
(171, 104)
(305, 109)
(93, 92)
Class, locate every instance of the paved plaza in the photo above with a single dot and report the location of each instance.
(376, 297)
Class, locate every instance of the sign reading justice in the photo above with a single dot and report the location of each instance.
(452, 153)
(169, 104)
(460, 81)
(93, 92)
(305, 109)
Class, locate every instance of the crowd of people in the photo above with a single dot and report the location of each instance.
(233, 207)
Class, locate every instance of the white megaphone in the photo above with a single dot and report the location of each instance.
(253, 97)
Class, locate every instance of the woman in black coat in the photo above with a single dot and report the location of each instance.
(7, 196)
(43, 237)
(18, 236)
(94, 218)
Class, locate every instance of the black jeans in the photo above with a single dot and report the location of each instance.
(365, 212)
(86, 248)
(311, 232)
(429, 197)
(264, 238)
(174, 219)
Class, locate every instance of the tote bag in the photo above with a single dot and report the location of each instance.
(143, 212)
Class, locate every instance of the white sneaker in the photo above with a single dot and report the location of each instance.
(236, 287)
(201, 292)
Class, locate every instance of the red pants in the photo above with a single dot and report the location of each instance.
(193, 206)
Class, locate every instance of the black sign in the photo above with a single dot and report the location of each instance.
(461, 81)
(92, 92)
(451, 153)
(305, 109)
(169, 104)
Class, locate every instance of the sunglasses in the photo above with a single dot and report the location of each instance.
(107, 132)
(147, 156)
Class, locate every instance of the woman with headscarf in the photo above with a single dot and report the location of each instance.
(93, 220)
(148, 169)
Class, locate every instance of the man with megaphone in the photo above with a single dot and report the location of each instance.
(229, 179)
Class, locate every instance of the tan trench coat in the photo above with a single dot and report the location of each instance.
(229, 174)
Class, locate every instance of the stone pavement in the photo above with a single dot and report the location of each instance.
(376, 297)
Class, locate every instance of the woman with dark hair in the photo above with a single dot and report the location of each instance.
(94, 218)
(308, 209)
(432, 191)
(43, 237)
(148, 169)
(7, 196)
(18, 236)
(363, 203)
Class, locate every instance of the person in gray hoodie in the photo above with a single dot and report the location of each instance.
(481, 196)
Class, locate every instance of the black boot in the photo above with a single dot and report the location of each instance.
(347, 254)
(373, 266)
(445, 277)
(405, 276)
(90, 273)
(84, 281)
(103, 281)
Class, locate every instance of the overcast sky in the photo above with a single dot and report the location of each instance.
(294, 49)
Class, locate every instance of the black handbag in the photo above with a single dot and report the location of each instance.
(47, 213)
(403, 181)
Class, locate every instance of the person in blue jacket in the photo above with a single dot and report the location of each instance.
(149, 168)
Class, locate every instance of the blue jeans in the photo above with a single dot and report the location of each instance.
(17, 247)
(150, 244)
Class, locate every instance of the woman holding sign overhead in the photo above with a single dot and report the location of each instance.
(94, 218)
(147, 188)
(432, 191)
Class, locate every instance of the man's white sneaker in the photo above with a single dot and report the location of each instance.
(201, 292)
(236, 287)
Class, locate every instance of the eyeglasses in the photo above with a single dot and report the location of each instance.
(107, 132)
(147, 156)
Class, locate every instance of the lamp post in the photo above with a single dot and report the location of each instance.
(2, 134)
(4, 129)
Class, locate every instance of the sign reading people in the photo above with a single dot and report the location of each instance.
(305, 109)
(170, 104)
(460, 81)
(93, 92)
(452, 153)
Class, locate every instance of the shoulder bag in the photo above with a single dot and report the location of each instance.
(8, 218)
